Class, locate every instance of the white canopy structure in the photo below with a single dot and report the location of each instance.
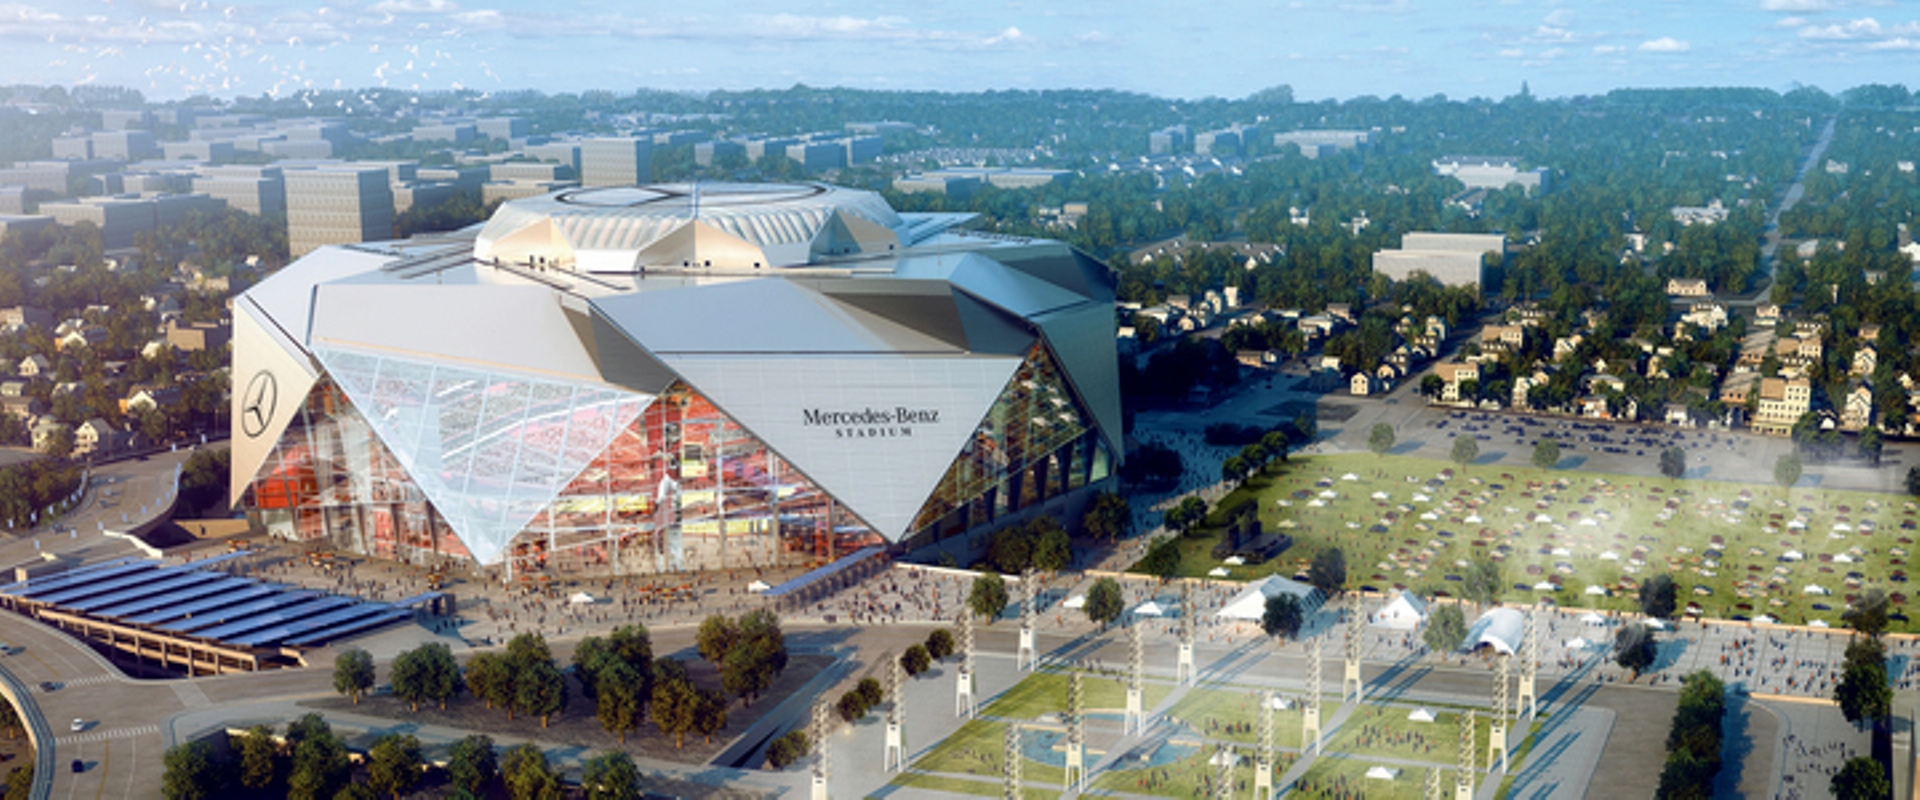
(1577, 643)
(1217, 572)
(1149, 609)
(758, 586)
(1420, 715)
(581, 599)
(1251, 602)
(1383, 773)
(1500, 628)
(1597, 590)
(1404, 612)
(1593, 618)
(1076, 601)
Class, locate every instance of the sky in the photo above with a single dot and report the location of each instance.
(1223, 48)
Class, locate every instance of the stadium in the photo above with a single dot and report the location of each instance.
(643, 379)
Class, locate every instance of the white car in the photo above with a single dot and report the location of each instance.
(79, 724)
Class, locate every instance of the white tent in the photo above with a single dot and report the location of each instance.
(1404, 612)
(1814, 588)
(1251, 602)
(1383, 773)
(1280, 704)
(1818, 623)
(1577, 643)
(1217, 572)
(1592, 618)
(1420, 715)
(1223, 757)
(581, 599)
(1656, 623)
(1500, 628)
(758, 586)
(1765, 619)
(1597, 590)
(1233, 561)
(1076, 601)
(1149, 609)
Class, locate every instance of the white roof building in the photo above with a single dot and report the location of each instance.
(1405, 612)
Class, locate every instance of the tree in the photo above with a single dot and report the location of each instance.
(710, 715)
(1913, 481)
(790, 747)
(852, 706)
(259, 759)
(1483, 582)
(1446, 629)
(320, 768)
(940, 643)
(1634, 648)
(191, 773)
(409, 678)
(1282, 616)
(393, 764)
(20, 783)
(915, 660)
(611, 776)
(529, 776)
(490, 678)
(308, 726)
(1328, 572)
(1546, 453)
(716, 636)
(1659, 597)
(1870, 446)
(1868, 615)
(1233, 469)
(353, 673)
(1108, 516)
(1162, 559)
(1380, 439)
(872, 691)
(472, 763)
(1052, 548)
(1861, 778)
(1104, 602)
(747, 670)
(1673, 462)
(541, 689)
(1190, 512)
(1786, 470)
(618, 703)
(1465, 450)
(1863, 692)
(674, 704)
(989, 596)
(590, 656)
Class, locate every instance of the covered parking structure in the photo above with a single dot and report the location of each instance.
(185, 617)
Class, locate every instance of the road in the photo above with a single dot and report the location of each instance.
(1770, 249)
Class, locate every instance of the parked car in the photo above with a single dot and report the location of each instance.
(79, 724)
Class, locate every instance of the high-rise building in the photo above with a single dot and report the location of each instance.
(643, 379)
(337, 205)
(257, 190)
(616, 162)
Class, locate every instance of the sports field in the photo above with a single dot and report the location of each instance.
(1583, 539)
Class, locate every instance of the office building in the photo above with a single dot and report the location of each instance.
(615, 162)
(338, 204)
(636, 380)
(257, 190)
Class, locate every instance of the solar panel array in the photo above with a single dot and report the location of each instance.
(190, 600)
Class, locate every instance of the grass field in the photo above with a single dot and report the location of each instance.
(1046, 692)
(1337, 777)
(1735, 550)
(1214, 712)
(942, 783)
(1383, 731)
(1183, 778)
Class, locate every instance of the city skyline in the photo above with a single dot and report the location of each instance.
(1322, 49)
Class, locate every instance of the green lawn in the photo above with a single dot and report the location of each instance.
(1385, 731)
(949, 785)
(1202, 706)
(975, 749)
(1333, 777)
(1579, 528)
(1046, 692)
(1182, 778)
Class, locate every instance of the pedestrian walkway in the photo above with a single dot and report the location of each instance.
(103, 734)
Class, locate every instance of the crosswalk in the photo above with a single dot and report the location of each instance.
(90, 680)
(103, 734)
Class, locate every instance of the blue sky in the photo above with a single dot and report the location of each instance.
(1227, 48)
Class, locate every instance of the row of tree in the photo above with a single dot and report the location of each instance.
(1694, 740)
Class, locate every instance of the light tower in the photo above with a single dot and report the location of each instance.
(1433, 791)
(1351, 687)
(1183, 671)
(1136, 720)
(1463, 782)
(1010, 769)
(1529, 670)
(1027, 657)
(963, 687)
(895, 757)
(1310, 710)
(1076, 773)
(822, 769)
(1263, 772)
(1223, 784)
(1497, 727)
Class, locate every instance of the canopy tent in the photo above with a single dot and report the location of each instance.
(1656, 623)
(1251, 603)
(1404, 612)
(1278, 703)
(1818, 623)
(581, 599)
(1764, 619)
(758, 586)
(1383, 773)
(1593, 618)
(1420, 715)
(1597, 590)
(1577, 643)
(1076, 601)
(1217, 572)
(1223, 757)
(1149, 609)
(1500, 628)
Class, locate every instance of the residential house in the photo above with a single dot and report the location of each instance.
(1687, 287)
(1503, 337)
(34, 366)
(84, 336)
(22, 407)
(19, 318)
(1363, 384)
(13, 388)
(1767, 312)
(45, 430)
(143, 398)
(1453, 373)
(197, 336)
(93, 436)
(1864, 361)
(1782, 402)
(1857, 413)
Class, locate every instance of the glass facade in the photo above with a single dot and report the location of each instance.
(390, 457)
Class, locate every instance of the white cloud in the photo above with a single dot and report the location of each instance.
(1560, 18)
(1665, 44)
(1790, 22)
(1604, 49)
(1864, 28)
(1377, 6)
(1797, 6)
(415, 6)
(1512, 52)
(1896, 43)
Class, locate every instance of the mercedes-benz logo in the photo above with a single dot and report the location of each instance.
(257, 409)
